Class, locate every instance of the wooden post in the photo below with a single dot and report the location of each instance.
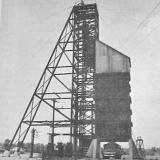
(52, 136)
(32, 142)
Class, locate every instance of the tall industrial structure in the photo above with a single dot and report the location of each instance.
(113, 112)
(73, 59)
(86, 85)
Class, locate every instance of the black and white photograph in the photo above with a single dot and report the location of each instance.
(79, 79)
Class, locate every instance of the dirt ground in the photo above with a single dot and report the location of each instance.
(21, 157)
(35, 157)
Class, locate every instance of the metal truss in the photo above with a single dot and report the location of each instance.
(83, 106)
(46, 93)
(67, 82)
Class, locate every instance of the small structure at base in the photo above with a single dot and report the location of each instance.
(94, 150)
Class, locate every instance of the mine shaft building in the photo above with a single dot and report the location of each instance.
(112, 95)
(98, 102)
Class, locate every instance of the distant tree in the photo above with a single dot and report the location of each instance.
(38, 148)
(6, 144)
(27, 147)
(20, 145)
(152, 151)
(68, 150)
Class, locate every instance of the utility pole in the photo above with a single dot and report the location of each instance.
(32, 142)
(52, 136)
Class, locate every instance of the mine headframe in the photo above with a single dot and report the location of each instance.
(83, 105)
(73, 58)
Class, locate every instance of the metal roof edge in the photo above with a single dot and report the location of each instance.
(115, 50)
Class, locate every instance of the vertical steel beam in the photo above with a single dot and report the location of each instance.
(85, 33)
(53, 116)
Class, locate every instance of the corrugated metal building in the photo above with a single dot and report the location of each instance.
(112, 89)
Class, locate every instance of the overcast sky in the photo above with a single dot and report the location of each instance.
(29, 30)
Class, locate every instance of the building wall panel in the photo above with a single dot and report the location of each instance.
(112, 94)
(113, 112)
(110, 60)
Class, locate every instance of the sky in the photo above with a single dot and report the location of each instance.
(29, 30)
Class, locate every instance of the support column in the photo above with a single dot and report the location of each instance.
(130, 149)
(52, 136)
(32, 142)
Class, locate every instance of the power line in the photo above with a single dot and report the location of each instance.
(141, 24)
(122, 14)
(149, 34)
(40, 46)
(148, 15)
(22, 28)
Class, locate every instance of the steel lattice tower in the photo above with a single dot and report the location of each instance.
(72, 58)
(85, 33)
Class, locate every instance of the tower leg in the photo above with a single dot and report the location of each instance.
(32, 142)
(130, 149)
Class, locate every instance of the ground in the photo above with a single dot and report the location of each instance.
(22, 157)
